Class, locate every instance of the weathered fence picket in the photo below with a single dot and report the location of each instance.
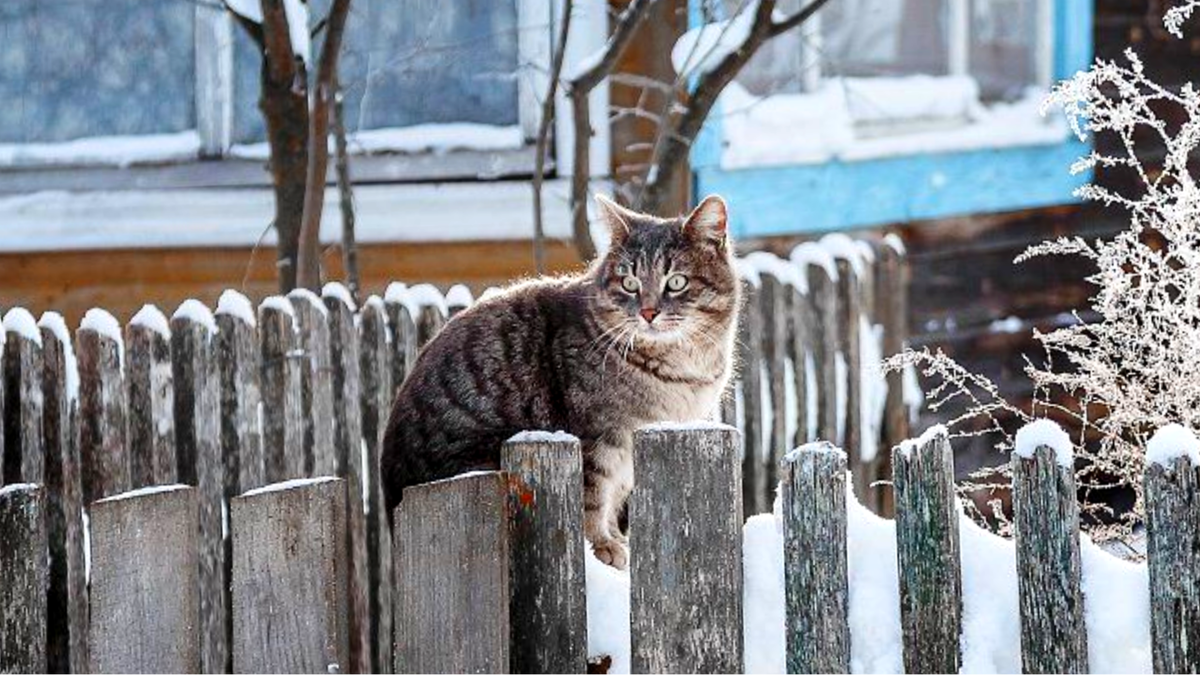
(814, 559)
(849, 310)
(431, 314)
(891, 297)
(375, 359)
(316, 383)
(798, 354)
(403, 323)
(452, 576)
(1173, 556)
(289, 578)
(197, 441)
(1046, 515)
(775, 307)
(22, 416)
(927, 548)
(686, 535)
(24, 576)
(144, 587)
(282, 421)
(67, 605)
(754, 484)
(821, 274)
(102, 448)
(148, 384)
(348, 450)
(238, 370)
(549, 604)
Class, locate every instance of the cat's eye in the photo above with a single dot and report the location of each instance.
(630, 284)
(676, 283)
(623, 270)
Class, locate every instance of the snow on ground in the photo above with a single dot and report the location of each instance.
(119, 151)
(872, 118)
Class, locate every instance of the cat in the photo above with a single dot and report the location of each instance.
(646, 334)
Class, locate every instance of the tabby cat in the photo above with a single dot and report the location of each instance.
(645, 335)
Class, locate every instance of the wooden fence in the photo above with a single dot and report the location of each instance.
(230, 401)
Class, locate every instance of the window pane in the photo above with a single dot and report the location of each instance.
(1003, 41)
(411, 62)
(78, 68)
(870, 38)
(778, 67)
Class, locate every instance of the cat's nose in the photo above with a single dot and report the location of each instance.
(649, 313)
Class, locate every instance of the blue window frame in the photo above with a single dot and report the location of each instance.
(840, 193)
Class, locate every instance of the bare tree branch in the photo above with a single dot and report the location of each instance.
(543, 137)
(679, 135)
(581, 116)
(345, 195)
(308, 274)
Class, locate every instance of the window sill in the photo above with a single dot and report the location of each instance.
(154, 219)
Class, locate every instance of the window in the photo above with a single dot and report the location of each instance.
(873, 78)
(131, 82)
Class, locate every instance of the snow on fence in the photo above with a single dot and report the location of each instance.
(246, 397)
(276, 556)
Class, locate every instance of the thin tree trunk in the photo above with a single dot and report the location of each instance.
(543, 139)
(308, 274)
(581, 234)
(284, 105)
(345, 195)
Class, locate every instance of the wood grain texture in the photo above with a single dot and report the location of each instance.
(24, 461)
(452, 576)
(822, 314)
(775, 303)
(316, 388)
(24, 576)
(238, 370)
(750, 342)
(814, 558)
(685, 536)
(798, 352)
(282, 421)
(928, 555)
(849, 308)
(891, 299)
(548, 584)
(404, 343)
(349, 463)
(151, 407)
(289, 580)
(429, 324)
(144, 588)
(375, 359)
(67, 606)
(102, 447)
(1046, 515)
(197, 441)
(1173, 558)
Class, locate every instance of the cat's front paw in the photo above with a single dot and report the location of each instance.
(612, 552)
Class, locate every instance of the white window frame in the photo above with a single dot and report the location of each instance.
(959, 41)
(214, 103)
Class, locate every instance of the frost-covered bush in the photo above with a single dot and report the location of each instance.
(1131, 363)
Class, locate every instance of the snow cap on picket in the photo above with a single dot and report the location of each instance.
(233, 303)
(151, 318)
(1045, 432)
(197, 312)
(1171, 442)
(338, 290)
(18, 320)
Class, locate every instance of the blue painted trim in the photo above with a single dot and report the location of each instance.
(844, 195)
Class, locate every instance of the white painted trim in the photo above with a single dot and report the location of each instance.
(589, 33)
(811, 48)
(1045, 43)
(483, 211)
(534, 37)
(958, 37)
(214, 78)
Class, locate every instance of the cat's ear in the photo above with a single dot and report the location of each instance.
(708, 220)
(618, 218)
